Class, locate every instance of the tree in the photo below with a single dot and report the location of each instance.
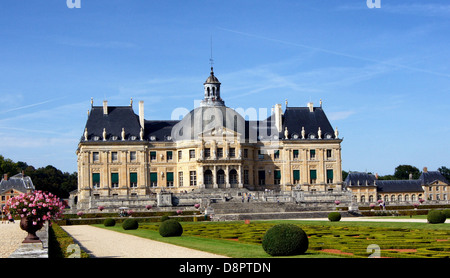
(402, 172)
(445, 172)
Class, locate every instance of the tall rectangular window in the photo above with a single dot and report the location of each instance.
(114, 157)
(169, 179)
(329, 175)
(191, 153)
(329, 153)
(133, 179)
(96, 180)
(245, 153)
(296, 176)
(154, 179)
(133, 156)
(95, 157)
(246, 177)
(152, 155)
(262, 177)
(207, 152)
(312, 176)
(114, 180)
(180, 178)
(219, 152)
(193, 178)
(169, 155)
(295, 154)
(312, 154)
(180, 155)
(277, 177)
(232, 152)
(276, 154)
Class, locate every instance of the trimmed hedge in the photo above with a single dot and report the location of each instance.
(130, 224)
(334, 216)
(285, 240)
(59, 242)
(170, 228)
(109, 222)
(436, 217)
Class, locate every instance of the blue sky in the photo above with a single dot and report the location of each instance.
(383, 73)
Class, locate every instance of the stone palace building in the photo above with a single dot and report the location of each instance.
(121, 155)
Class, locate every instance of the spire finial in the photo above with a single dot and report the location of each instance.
(211, 60)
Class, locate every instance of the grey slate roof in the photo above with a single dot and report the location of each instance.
(432, 176)
(295, 118)
(360, 179)
(364, 179)
(399, 186)
(17, 182)
(118, 117)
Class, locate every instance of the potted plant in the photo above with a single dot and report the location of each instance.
(197, 206)
(34, 209)
(100, 208)
(148, 207)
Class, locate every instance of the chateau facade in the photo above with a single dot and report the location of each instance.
(213, 147)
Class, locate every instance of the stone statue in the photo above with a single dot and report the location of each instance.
(104, 134)
(303, 132)
(141, 134)
(123, 134)
(286, 133)
(85, 134)
(319, 133)
(336, 133)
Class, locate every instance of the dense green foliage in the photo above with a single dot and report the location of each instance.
(164, 218)
(436, 217)
(285, 240)
(130, 224)
(334, 216)
(59, 243)
(46, 178)
(170, 228)
(109, 222)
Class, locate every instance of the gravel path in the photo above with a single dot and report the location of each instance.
(11, 237)
(102, 243)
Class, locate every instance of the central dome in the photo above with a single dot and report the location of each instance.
(206, 121)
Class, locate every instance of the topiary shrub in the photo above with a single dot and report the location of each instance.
(164, 218)
(436, 216)
(109, 222)
(285, 240)
(170, 228)
(130, 224)
(334, 216)
(447, 213)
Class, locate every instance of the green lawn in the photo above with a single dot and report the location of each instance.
(326, 239)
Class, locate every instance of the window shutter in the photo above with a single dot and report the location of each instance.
(153, 176)
(114, 177)
(95, 177)
(277, 174)
(313, 174)
(296, 175)
(169, 176)
(133, 177)
(330, 174)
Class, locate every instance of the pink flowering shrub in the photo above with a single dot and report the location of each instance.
(197, 206)
(37, 206)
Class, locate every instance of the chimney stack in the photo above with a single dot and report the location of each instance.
(105, 107)
(278, 119)
(425, 169)
(311, 106)
(141, 113)
(5, 177)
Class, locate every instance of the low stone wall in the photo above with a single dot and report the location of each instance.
(34, 250)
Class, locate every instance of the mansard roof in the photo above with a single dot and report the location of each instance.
(17, 182)
(295, 118)
(430, 177)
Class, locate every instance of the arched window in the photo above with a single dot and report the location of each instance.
(214, 91)
(207, 92)
(208, 177)
(413, 197)
(363, 199)
(220, 177)
(371, 198)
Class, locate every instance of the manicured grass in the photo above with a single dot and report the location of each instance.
(326, 239)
